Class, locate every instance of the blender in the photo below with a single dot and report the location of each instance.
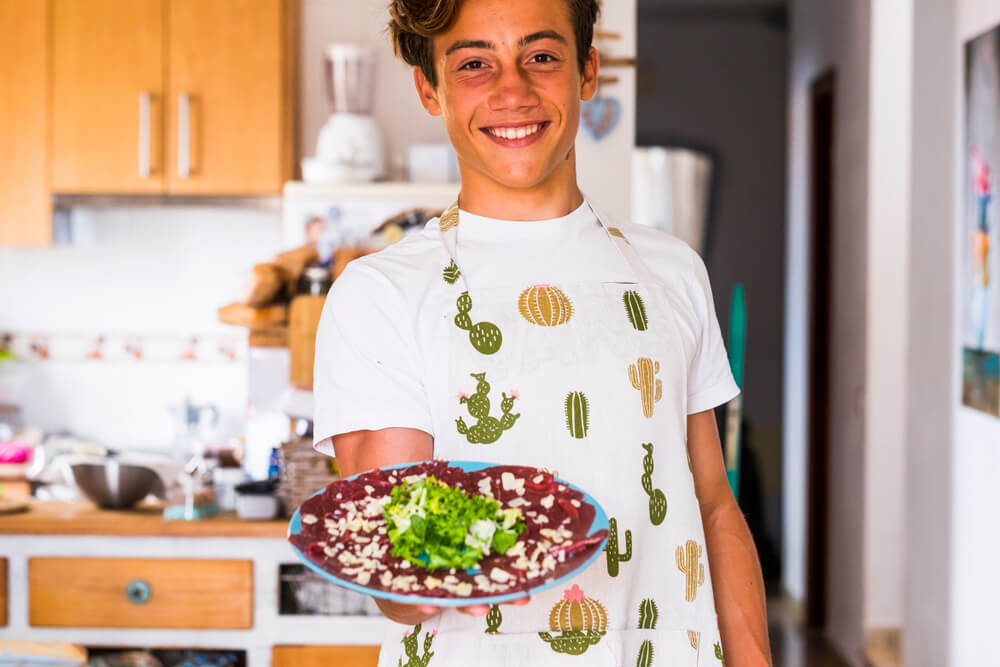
(350, 148)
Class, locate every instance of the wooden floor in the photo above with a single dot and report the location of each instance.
(791, 646)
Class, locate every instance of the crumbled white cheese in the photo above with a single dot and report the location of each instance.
(499, 576)
(547, 501)
(309, 519)
(464, 589)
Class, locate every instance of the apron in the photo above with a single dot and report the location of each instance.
(587, 380)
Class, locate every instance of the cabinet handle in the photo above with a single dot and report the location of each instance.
(138, 591)
(144, 135)
(183, 135)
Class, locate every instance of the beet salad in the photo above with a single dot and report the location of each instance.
(435, 530)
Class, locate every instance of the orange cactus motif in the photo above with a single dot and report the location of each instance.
(449, 219)
(545, 305)
(577, 612)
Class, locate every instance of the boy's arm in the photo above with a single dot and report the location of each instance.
(736, 575)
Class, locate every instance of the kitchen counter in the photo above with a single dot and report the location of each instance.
(55, 518)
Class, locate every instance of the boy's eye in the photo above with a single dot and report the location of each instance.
(543, 58)
(473, 65)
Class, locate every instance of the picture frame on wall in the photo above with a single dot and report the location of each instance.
(980, 222)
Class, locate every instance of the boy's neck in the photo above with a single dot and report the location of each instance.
(555, 197)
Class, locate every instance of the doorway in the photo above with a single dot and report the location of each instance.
(822, 283)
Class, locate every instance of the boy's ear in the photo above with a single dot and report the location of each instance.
(591, 68)
(428, 95)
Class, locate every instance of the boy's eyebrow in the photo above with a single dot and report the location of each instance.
(490, 46)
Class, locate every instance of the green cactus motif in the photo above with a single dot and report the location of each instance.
(493, 620)
(648, 613)
(572, 642)
(484, 336)
(487, 429)
(636, 310)
(410, 643)
(645, 654)
(577, 414)
(657, 501)
(611, 548)
(451, 273)
(718, 654)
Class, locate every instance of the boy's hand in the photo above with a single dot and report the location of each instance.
(412, 614)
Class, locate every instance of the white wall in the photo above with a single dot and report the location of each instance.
(825, 35)
(150, 271)
(975, 578)
(888, 240)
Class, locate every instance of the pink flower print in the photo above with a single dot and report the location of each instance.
(462, 395)
(434, 633)
(574, 594)
(515, 394)
(406, 634)
(543, 287)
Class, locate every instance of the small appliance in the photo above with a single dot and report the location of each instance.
(350, 147)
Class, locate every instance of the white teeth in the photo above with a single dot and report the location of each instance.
(511, 133)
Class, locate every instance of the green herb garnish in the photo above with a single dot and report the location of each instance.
(433, 525)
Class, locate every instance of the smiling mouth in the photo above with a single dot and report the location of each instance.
(521, 135)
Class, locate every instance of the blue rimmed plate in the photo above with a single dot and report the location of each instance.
(598, 524)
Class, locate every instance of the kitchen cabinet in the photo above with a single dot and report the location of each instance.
(229, 96)
(140, 593)
(25, 209)
(322, 656)
(172, 96)
(213, 584)
(107, 100)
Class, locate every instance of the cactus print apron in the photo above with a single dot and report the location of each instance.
(587, 380)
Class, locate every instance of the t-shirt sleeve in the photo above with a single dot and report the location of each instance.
(710, 378)
(367, 364)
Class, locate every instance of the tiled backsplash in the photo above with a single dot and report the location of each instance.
(145, 281)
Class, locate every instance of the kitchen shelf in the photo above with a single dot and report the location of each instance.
(55, 518)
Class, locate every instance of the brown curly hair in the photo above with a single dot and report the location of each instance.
(414, 24)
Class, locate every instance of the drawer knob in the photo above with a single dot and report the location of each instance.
(138, 591)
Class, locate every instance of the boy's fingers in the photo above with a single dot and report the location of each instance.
(475, 610)
(428, 609)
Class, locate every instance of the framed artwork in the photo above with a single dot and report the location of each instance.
(980, 221)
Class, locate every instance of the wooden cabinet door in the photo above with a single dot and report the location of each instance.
(229, 96)
(25, 215)
(107, 96)
(324, 656)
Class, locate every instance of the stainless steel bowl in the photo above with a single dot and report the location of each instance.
(114, 485)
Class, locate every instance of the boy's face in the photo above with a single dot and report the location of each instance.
(509, 89)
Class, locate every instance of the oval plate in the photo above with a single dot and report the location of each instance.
(599, 523)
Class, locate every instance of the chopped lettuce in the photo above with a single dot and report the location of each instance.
(433, 525)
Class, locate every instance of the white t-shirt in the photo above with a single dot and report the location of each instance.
(383, 335)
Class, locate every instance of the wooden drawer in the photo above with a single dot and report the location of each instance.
(324, 656)
(140, 593)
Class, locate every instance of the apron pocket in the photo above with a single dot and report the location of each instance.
(614, 648)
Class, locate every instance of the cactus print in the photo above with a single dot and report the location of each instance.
(452, 273)
(636, 310)
(657, 501)
(493, 620)
(688, 562)
(449, 218)
(410, 646)
(545, 305)
(487, 429)
(642, 375)
(577, 414)
(484, 336)
(581, 622)
(611, 548)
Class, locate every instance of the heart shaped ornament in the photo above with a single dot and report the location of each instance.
(600, 116)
